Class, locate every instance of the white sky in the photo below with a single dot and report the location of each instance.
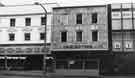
(65, 2)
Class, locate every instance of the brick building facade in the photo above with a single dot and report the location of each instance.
(79, 37)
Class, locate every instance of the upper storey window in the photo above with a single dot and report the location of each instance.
(43, 20)
(79, 36)
(94, 17)
(11, 37)
(12, 22)
(42, 36)
(79, 19)
(27, 36)
(94, 35)
(27, 21)
(64, 36)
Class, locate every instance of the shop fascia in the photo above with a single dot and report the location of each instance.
(13, 57)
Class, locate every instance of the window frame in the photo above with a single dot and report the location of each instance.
(43, 20)
(27, 35)
(79, 37)
(28, 21)
(42, 36)
(94, 18)
(95, 36)
(79, 18)
(117, 45)
(12, 22)
(11, 36)
(65, 36)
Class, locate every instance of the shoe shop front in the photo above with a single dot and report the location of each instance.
(75, 60)
(21, 57)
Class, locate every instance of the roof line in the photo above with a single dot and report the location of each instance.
(103, 5)
(30, 4)
(7, 15)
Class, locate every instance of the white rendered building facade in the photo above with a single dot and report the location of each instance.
(22, 34)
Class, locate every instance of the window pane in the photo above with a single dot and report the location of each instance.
(11, 37)
(127, 23)
(116, 24)
(42, 36)
(28, 21)
(43, 20)
(12, 22)
(94, 18)
(79, 19)
(27, 36)
(63, 36)
(94, 36)
(79, 35)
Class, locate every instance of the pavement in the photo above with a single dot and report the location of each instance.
(21, 74)
(39, 74)
(17, 77)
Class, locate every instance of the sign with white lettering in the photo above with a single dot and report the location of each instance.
(24, 50)
(100, 46)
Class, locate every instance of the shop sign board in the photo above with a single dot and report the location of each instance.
(81, 46)
(23, 50)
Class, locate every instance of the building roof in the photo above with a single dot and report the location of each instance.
(79, 6)
(26, 9)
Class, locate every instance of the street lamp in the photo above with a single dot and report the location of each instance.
(45, 44)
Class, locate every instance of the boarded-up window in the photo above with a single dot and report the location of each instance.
(126, 5)
(116, 36)
(127, 14)
(116, 24)
(128, 35)
(116, 15)
(127, 23)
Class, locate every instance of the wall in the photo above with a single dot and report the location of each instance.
(35, 29)
(64, 19)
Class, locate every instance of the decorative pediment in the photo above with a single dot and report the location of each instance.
(41, 28)
(27, 29)
(11, 30)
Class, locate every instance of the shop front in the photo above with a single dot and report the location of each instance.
(77, 63)
(79, 59)
(124, 63)
(21, 62)
(22, 57)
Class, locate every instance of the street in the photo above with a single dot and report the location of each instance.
(6, 76)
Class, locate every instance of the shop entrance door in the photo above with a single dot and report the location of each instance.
(81, 67)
